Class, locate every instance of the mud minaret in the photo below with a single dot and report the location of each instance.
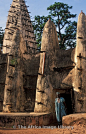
(20, 44)
(44, 91)
(18, 17)
(80, 68)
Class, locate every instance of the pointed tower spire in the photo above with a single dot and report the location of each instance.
(18, 17)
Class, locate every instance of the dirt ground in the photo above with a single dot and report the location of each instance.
(77, 128)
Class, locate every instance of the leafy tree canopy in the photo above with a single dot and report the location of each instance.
(60, 14)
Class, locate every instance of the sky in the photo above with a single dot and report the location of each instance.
(39, 7)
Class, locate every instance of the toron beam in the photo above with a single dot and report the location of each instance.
(63, 68)
(41, 91)
(79, 56)
(79, 69)
(79, 87)
(80, 37)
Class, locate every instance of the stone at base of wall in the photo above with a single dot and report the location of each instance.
(12, 120)
(71, 119)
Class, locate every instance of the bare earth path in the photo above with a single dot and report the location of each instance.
(78, 128)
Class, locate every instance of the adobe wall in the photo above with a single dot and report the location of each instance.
(22, 71)
(30, 80)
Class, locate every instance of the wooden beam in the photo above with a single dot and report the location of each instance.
(79, 55)
(57, 69)
(43, 63)
(41, 91)
(80, 69)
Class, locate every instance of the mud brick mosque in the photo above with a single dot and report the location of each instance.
(29, 79)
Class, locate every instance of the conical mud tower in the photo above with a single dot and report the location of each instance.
(18, 17)
(22, 65)
(80, 68)
(44, 90)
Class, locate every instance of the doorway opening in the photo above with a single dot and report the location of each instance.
(69, 100)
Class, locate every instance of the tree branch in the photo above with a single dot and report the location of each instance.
(64, 39)
(62, 26)
(60, 19)
(60, 36)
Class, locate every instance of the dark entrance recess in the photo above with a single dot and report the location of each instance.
(30, 99)
(69, 100)
(29, 91)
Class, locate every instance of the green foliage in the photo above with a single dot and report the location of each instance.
(1, 36)
(58, 13)
(62, 19)
(38, 26)
(14, 61)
